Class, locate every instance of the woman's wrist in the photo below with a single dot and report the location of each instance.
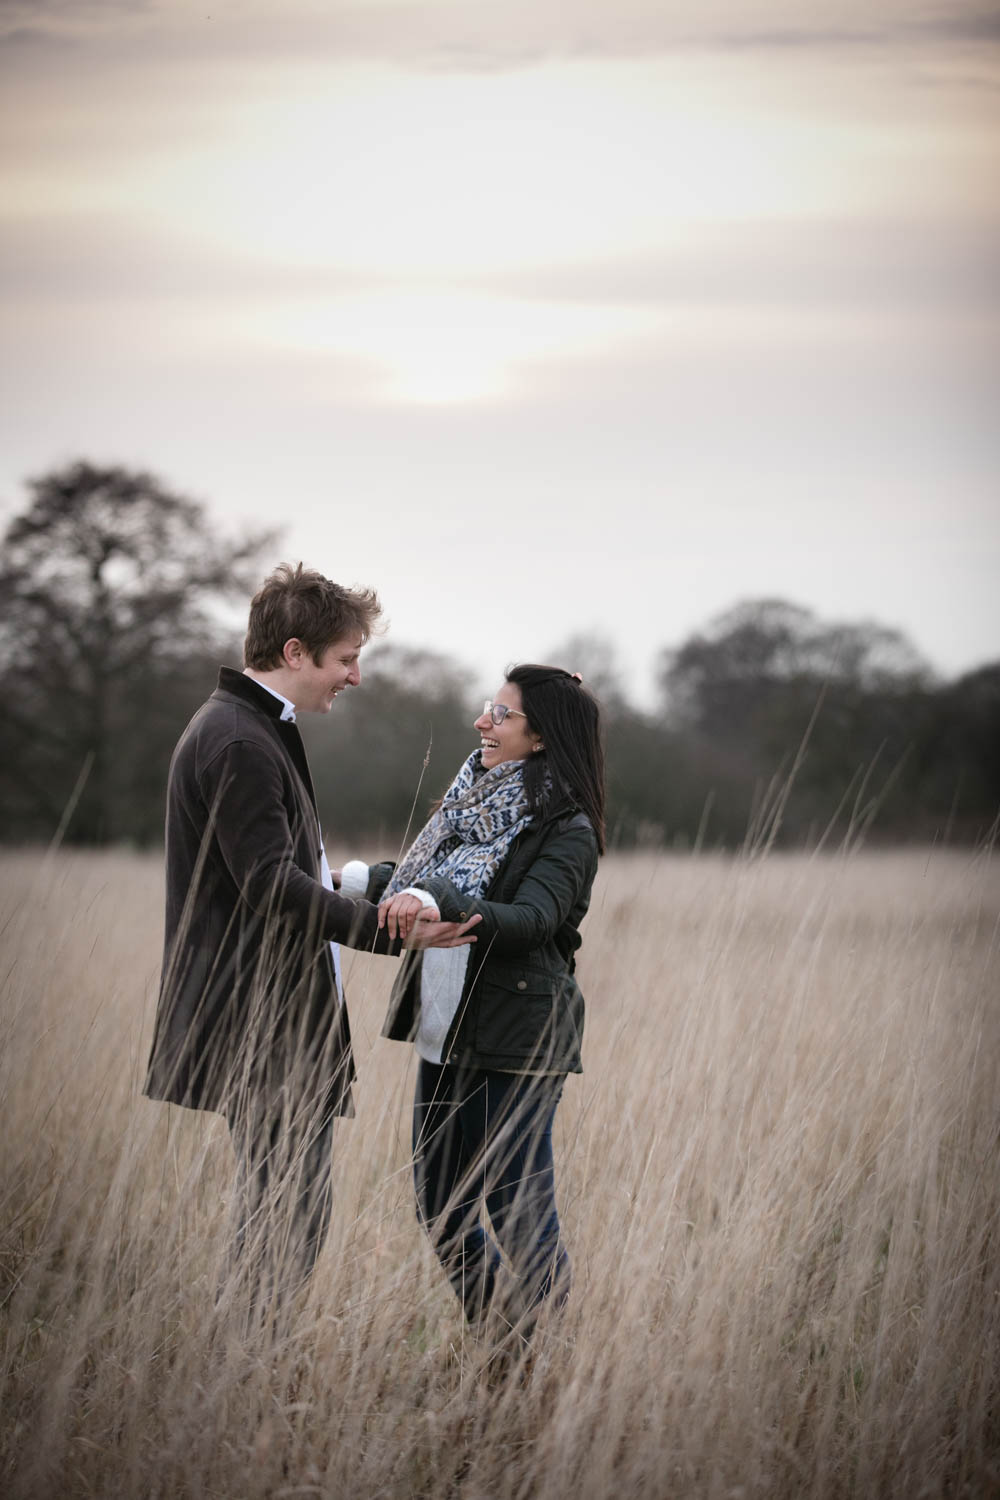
(425, 898)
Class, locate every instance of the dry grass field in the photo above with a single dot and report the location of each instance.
(779, 1179)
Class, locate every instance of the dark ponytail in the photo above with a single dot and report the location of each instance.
(568, 718)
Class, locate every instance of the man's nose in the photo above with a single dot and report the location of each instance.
(354, 675)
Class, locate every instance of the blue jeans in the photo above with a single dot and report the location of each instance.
(487, 1136)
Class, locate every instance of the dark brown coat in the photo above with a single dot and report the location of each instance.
(248, 1010)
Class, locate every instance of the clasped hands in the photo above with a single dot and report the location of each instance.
(420, 926)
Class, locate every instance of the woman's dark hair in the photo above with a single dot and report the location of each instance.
(568, 718)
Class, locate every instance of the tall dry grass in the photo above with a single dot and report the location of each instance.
(779, 1180)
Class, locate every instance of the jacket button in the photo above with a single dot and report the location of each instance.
(522, 984)
(462, 916)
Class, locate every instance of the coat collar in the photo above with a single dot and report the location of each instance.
(560, 806)
(240, 686)
(233, 684)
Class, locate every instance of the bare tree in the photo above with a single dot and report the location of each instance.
(107, 581)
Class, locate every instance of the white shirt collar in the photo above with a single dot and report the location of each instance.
(288, 712)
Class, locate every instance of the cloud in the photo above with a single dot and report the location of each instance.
(57, 22)
(480, 34)
(972, 25)
(68, 257)
(925, 270)
(893, 263)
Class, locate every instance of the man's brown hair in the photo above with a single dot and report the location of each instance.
(299, 603)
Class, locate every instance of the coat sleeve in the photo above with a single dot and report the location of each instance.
(244, 794)
(378, 878)
(550, 888)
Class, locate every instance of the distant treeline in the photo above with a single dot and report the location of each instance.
(771, 726)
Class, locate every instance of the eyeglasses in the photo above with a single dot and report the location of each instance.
(499, 711)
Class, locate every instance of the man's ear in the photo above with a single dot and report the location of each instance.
(293, 653)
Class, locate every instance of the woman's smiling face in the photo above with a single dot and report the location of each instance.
(511, 739)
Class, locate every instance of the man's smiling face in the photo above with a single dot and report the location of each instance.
(317, 683)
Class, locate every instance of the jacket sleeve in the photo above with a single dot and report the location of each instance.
(548, 891)
(244, 796)
(378, 878)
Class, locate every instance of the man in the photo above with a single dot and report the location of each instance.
(251, 1020)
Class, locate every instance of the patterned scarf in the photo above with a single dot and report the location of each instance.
(467, 839)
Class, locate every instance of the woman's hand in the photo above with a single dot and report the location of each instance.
(418, 923)
(428, 933)
(400, 912)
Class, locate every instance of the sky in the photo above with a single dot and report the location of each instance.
(546, 319)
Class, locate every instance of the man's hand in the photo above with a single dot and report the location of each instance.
(419, 924)
(400, 912)
(428, 932)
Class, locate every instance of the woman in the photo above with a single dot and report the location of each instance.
(497, 1026)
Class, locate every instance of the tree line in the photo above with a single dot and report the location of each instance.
(771, 726)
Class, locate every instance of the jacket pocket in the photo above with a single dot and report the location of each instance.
(517, 1013)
